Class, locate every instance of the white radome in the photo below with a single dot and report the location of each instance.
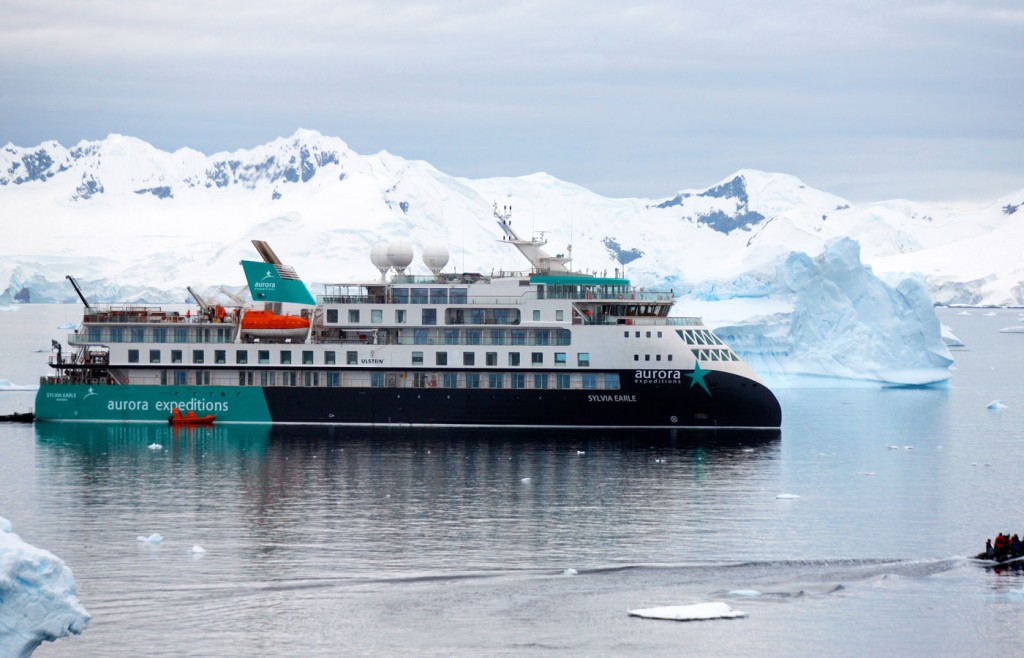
(435, 256)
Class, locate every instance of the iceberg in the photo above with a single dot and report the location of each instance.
(37, 596)
(843, 323)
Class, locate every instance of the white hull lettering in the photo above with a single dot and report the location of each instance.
(611, 398)
(658, 376)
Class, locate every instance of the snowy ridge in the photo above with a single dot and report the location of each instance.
(37, 596)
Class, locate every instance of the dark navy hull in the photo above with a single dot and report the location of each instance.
(729, 401)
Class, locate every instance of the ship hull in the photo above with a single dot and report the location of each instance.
(731, 401)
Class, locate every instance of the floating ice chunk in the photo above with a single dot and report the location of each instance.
(1012, 330)
(695, 612)
(893, 447)
(570, 572)
(785, 496)
(154, 538)
(525, 480)
(949, 338)
(964, 313)
(908, 447)
(744, 592)
(990, 314)
(38, 601)
(996, 404)
(866, 473)
(581, 452)
(155, 446)
(198, 549)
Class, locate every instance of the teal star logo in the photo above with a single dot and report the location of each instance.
(698, 377)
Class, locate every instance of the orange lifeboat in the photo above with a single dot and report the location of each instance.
(266, 324)
(190, 418)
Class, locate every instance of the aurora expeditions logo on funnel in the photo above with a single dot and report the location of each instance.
(275, 283)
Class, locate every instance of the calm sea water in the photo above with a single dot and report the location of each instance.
(327, 542)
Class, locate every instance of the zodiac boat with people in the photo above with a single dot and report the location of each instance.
(545, 348)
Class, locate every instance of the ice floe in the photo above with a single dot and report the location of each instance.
(995, 404)
(787, 496)
(154, 538)
(694, 612)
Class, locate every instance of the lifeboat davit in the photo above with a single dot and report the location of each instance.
(190, 418)
(266, 324)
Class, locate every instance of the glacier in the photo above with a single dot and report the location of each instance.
(38, 601)
(138, 225)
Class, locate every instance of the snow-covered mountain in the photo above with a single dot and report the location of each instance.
(134, 223)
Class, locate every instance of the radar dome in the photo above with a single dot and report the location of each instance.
(379, 258)
(400, 255)
(435, 256)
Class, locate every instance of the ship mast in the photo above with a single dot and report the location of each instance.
(543, 263)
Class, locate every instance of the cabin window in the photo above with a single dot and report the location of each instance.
(263, 356)
(473, 336)
(175, 356)
(351, 358)
(513, 358)
(332, 316)
(376, 316)
(438, 295)
(154, 356)
(636, 357)
(417, 358)
(334, 379)
(451, 336)
(330, 357)
(559, 315)
(497, 337)
(198, 356)
(441, 358)
(560, 359)
(540, 380)
(430, 316)
(457, 296)
(468, 358)
(307, 357)
(418, 296)
(518, 337)
(420, 336)
(517, 380)
(353, 315)
(286, 357)
(491, 358)
(400, 316)
(611, 381)
(137, 334)
(241, 378)
(220, 356)
(543, 337)
(377, 379)
(180, 335)
(496, 380)
(451, 380)
(647, 357)
(537, 358)
(659, 334)
(472, 380)
(657, 357)
(583, 359)
(625, 334)
(563, 381)
(536, 315)
(307, 378)
(400, 295)
(159, 334)
(181, 377)
(133, 356)
(669, 357)
(648, 334)
(589, 382)
(242, 357)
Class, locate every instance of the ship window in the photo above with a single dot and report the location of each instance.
(175, 356)
(400, 295)
(138, 334)
(540, 380)
(307, 357)
(417, 358)
(536, 315)
(659, 334)
(400, 316)
(330, 357)
(648, 334)
(637, 335)
(657, 357)
(563, 337)
(351, 358)
(457, 296)
(376, 316)
(334, 379)
(159, 334)
(242, 356)
(559, 315)
(537, 358)
(468, 358)
(419, 336)
(286, 357)
(451, 379)
(307, 378)
(438, 295)
(263, 378)
(473, 337)
(441, 358)
(583, 359)
(562, 381)
(273, 378)
(518, 380)
(180, 335)
(636, 357)
(332, 316)
(241, 378)
(625, 334)
(497, 337)
(518, 337)
(199, 377)
(491, 358)
(290, 378)
(647, 357)
(418, 295)
(263, 357)
(589, 382)
(198, 356)
(543, 337)
(669, 357)
(472, 380)
(429, 316)
(377, 379)
(496, 380)
(560, 358)
(133, 356)
(353, 315)
(220, 356)
(611, 381)
(181, 378)
(513, 358)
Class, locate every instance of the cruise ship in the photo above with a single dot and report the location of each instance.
(544, 348)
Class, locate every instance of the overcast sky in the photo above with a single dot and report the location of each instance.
(871, 100)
